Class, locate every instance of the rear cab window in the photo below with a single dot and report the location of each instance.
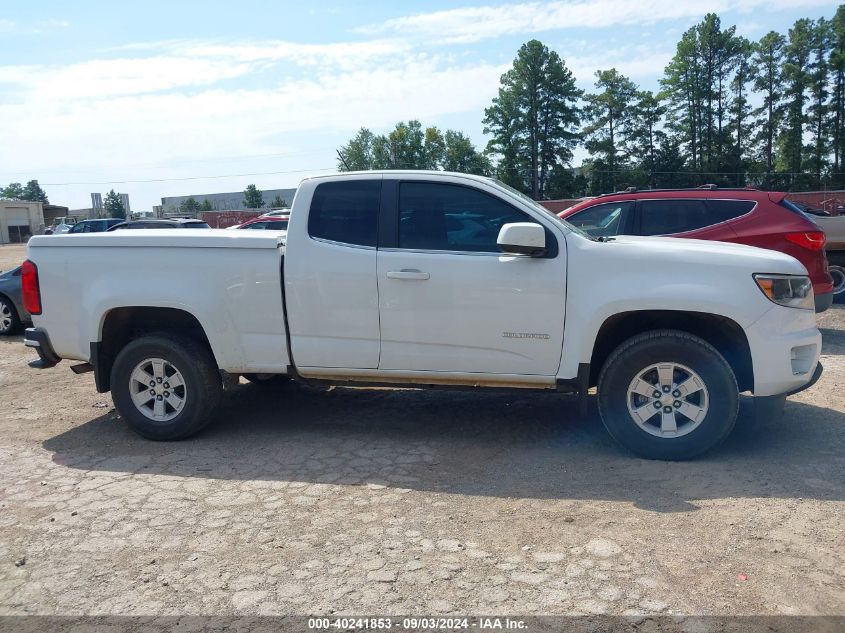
(346, 212)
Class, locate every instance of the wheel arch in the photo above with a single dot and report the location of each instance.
(121, 325)
(723, 333)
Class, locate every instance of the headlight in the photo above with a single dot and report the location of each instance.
(792, 291)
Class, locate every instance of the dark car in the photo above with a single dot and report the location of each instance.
(12, 312)
(173, 223)
(765, 219)
(95, 226)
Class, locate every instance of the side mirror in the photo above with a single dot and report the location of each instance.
(522, 238)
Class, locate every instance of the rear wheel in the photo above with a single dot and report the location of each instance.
(165, 386)
(9, 321)
(667, 394)
(838, 274)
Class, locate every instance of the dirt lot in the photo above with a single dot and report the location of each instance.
(402, 501)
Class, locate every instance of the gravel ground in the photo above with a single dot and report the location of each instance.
(410, 502)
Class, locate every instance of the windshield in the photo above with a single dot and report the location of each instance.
(540, 207)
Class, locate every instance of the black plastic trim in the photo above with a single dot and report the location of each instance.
(102, 380)
(579, 385)
(45, 350)
(824, 301)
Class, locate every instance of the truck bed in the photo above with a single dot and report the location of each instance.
(230, 279)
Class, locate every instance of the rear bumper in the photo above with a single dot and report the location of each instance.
(824, 301)
(38, 339)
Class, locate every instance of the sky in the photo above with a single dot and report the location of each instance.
(168, 98)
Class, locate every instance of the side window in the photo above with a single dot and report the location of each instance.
(346, 211)
(724, 210)
(256, 225)
(440, 217)
(277, 226)
(666, 217)
(603, 219)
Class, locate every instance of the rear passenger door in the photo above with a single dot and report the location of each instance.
(331, 290)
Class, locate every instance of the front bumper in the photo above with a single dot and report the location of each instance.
(816, 375)
(785, 345)
(38, 339)
(824, 301)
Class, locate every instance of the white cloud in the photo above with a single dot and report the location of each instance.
(472, 24)
(7, 25)
(97, 119)
(637, 63)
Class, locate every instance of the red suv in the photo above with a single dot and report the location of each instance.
(745, 216)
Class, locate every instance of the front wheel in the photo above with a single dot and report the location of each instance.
(165, 386)
(668, 394)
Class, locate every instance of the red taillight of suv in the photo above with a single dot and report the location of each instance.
(30, 290)
(811, 240)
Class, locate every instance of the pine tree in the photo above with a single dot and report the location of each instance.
(253, 198)
(113, 205)
(607, 112)
(767, 76)
(535, 114)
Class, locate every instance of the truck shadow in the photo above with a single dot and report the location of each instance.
(502, 444)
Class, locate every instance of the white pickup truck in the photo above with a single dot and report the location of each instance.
(428, 279)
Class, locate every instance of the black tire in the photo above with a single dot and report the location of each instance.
(203, 385)
(837, 271)
(268, 380)
(10, 322)
(668, 346)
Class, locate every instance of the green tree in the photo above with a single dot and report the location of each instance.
(206, 206)
(409, 146)
(13, 192)
(34, 193)
(682, 88)
(534, 115)
(607, 112)
(278, 203)
(819, 76)
(253, 198)
(837, 100)
(459, 154)
(796, 81)
(697, 85)
(739, 107)
(113, 206)
(189, 205)
(644, 133)
(357, 154)
(767, 77)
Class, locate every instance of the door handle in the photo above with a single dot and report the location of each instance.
(408, 273)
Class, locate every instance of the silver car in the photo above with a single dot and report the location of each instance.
(12, 313)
